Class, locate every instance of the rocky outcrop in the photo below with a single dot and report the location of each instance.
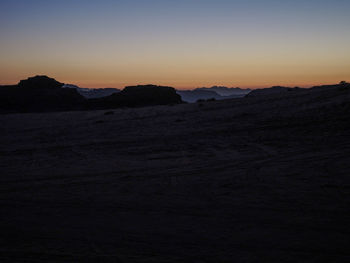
(39, 94)
(137, 96)
(39, 83)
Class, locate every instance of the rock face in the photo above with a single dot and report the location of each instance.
(137, 96)
(39, 94)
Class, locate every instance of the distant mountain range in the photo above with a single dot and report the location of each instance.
(215, 92)
(92, 93)
(225, 91)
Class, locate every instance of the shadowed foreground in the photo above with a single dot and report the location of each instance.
(262, 179)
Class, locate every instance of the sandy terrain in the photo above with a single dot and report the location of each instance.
(245, 180)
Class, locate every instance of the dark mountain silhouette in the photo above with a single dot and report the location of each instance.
(136, 96)
(285, 91)
(225, 91)
(39, 94)
(40, 83)
(343, 85)
(270, 91)
(195, 95)
(215, 92)
(314, 94)
(93, 93)
(44, 94)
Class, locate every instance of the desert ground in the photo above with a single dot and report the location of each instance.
(261, 179)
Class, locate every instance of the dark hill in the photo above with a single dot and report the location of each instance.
(138, 96)
(39, 94)
(40, 82)
(279, 91)
(270, 91)
(44, 94)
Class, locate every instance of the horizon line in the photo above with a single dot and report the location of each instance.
(122, 86)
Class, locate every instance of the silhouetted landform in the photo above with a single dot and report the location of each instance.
(93, 93)
(254, 179)
(138, 96)
(226, 92)
(217, 93)
(195, 95)
(271, 91)
(41, 94)
(279, 91)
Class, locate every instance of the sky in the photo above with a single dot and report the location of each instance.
(182, 43)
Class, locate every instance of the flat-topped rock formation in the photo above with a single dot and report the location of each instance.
(39, 94)
(137, 96)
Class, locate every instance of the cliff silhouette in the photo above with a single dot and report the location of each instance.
(39, 94)
(137, 96)
(44, 94)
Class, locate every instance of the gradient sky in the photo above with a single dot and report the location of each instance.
(182, 43)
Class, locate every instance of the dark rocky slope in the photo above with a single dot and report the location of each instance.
(257, 179)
